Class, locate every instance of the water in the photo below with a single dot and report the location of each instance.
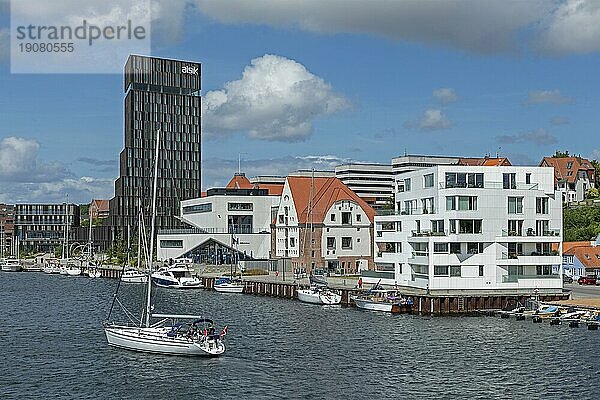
(52, 346)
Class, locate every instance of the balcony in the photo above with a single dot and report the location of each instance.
(551, 235)
(425, 211)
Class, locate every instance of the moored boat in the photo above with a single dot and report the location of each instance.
(11, 264)
(178, 276)
(383, 300)
(226, 285)
(134, 276)
(319, 295)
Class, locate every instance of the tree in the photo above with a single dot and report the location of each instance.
(596, 165)
(592, 193)
(581, 223)
(561, 154)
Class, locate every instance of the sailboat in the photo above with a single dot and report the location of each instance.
(318, 292)
(167, 336)
(228, 285)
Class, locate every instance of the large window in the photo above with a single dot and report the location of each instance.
(346, 218)
(461, 203)
(427, 205)
(440, 248)
(171, 244)
(515, 205)
(330, 243)
(241, 207)
(428, 181)
(515, 249)
(464, 179)
(541, 205)
(437, 226)
(198, 208)
(509, 181)
(515, 227)
(474, 248)
(455, 270)
(441, 270)
(465, 226)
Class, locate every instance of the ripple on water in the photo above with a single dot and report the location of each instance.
(52, 346)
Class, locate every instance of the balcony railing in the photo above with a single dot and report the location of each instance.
(515, 278)
(417, 211)
(531, 233)
(513, 256)
(489, 185)
(425, 233)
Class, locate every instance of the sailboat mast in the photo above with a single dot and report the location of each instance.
(90, 240)
(310, 216)
(153, 227)
(139, 242)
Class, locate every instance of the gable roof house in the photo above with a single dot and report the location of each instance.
(322, 224)
(573, 176)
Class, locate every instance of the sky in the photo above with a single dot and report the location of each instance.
(301, 84)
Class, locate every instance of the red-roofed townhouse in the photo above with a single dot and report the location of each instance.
(581, 258)
(573, 176)
(322, 224)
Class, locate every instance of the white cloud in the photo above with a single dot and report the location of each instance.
(24, 179)
(217, 172)
(276, 99)
(482, 27)
(445, 95)
(432, 119)
(547, 96)
(572, 27)
(539, 137)
(595, 155)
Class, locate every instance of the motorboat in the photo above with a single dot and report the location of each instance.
(72, 270)
(226, 285)
(168, 335)
(134, 276)
(178, 276)
(383, 300)
(319, 295)
(11, 264)
(94, 272)
(51, 267)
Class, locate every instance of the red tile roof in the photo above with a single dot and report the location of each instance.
(485, 161)
(588, 255)
(563, 172)
(100, 205)
(327, 191)
(239, 181)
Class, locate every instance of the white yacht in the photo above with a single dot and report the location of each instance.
(178, 276)
(319, 295)
(134, 276)
(11, 264)
(226, 285)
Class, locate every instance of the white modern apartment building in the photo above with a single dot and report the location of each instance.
(227, 224)
(372, 182)
(476, 228)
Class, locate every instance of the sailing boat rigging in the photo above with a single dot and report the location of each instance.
(228, 285)
(318, 292)
(195, 338)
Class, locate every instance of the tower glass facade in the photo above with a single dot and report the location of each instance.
(159, 94)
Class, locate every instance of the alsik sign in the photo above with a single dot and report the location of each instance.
(188, 69)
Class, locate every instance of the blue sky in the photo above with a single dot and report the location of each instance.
(377, 79)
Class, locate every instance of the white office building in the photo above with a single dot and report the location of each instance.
(226, 225)
(372, 182)
(472, 228)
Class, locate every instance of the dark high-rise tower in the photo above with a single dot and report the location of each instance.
(160, 94)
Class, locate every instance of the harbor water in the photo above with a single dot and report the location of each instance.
(52, 346)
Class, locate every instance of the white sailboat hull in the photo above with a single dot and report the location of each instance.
(319, 296)
(73, 271)
(94, 273)
(134, 278)
(372, 305)
(229, 288)
(155, 340)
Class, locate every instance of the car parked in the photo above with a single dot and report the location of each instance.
(567, 279)
(587, 280)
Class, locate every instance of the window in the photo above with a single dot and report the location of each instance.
(465, 225)
(199, 208)
(543, 269)
(481, 270)
(462, 203)
(463, 180)
(515, 227)
(358, 217)
(515, 205)
(243, 207)
(387, 226)
(440, 248)
(332, 217)
(292, 242)
(455, 248)
(441, 270)
(569, 164)
(543, 249)
(474, 248)
(346, 243)
(515, 249)
(437, 226)
(346, 218)
(541, 205)
(509, 181)
(330, 243)
(171, 244)
(427, 205)
(428, 181)
(528, 178)
(450, 203)
(407, 185)
(420, 269)
(455, 270)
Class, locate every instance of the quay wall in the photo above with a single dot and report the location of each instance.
(425, 304)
